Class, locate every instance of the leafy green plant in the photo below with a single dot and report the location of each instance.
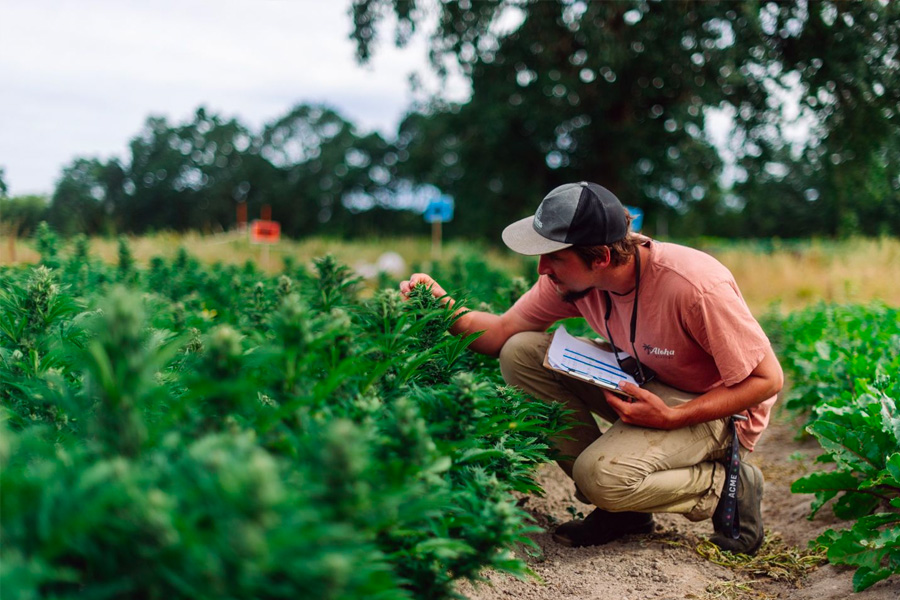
(861, 436)
(845, 360)
(829, 348)
(227, 433)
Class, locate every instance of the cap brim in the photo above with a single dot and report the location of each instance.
(522, 238)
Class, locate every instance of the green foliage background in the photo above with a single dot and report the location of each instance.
(198, 432)
(616, 92)
(844, 361)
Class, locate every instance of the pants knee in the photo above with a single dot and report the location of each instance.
(521, 351)
(602, 485)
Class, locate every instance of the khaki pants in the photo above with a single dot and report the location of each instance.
(627, 467)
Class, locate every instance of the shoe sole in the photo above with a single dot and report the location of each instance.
(564, 541)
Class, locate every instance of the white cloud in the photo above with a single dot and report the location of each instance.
(79, 78)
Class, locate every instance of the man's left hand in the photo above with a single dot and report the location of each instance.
(641, 407)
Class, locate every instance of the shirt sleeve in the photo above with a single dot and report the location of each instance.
(723, 325)
(542, 304)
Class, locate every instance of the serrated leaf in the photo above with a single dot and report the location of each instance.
(443, 548)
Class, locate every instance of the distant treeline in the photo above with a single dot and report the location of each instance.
(615, 92)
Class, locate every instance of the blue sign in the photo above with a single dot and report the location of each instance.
(637, 217)
(439, 210)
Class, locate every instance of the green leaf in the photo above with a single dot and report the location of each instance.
(855, 505)
(865, 577)
(892, 465)
(852, 443)
(825, 486)
(836, 481)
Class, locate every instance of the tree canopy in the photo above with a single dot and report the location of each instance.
(621, 93)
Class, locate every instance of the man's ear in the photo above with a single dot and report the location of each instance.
(602, 262)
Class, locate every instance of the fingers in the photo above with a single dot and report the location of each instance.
(630, 389)
(421, 278)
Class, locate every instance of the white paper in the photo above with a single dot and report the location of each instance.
(585, 360)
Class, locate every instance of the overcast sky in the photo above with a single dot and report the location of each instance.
(78, 78)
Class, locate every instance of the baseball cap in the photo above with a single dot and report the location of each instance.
(583, 214)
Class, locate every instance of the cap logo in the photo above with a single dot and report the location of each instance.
(537, 217)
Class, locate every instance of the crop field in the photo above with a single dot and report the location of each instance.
(181, 421)
(785, 275)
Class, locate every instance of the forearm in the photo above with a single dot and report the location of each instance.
(648, 410)
(724, 401)
(721, 402)
(471, 321)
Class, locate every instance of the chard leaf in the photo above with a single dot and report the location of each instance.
(890, 415)
(865, 577)
(855, 444)
(890, 477)
(853, 505)
(825, 486)
(834, 481)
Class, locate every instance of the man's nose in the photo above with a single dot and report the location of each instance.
(544, 266)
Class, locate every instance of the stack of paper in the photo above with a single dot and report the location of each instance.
(583, 360)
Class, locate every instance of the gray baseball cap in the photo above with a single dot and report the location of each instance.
(583, 214)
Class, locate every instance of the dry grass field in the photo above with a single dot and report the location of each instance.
(785, 275)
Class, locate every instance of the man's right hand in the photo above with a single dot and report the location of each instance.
(496, 328)
(422, 278)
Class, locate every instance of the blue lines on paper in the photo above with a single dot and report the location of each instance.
(593, 363)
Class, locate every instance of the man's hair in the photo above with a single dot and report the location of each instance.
(619, 252)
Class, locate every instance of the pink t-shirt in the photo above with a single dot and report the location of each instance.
(693, 328)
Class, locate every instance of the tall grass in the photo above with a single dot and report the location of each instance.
(787, 274)
(799, 273)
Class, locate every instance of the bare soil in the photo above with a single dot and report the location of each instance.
(666, 565)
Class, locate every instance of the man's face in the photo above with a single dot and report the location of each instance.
(573, 280)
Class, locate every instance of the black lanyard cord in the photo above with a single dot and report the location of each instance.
(634, 312)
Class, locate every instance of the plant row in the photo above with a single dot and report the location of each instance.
(183, 431)
(845, 364)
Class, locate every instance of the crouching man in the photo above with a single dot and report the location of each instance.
(706, 371)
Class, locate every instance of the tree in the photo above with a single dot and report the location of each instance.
(841, 60)
(83, 200)
(325, 164)
(187, 176)
(20, 215)
(618, 92)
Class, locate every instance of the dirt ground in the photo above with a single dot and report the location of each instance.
(666, 565)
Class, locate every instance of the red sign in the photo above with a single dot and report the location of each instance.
(265, 232)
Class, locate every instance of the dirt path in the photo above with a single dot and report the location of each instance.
(666, 565)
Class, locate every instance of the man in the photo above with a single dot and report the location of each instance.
(673, 445)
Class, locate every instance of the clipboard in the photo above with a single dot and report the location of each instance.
(583, 360)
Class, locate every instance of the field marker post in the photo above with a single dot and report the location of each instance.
(439, 210)
(265, 232)
(436, 240)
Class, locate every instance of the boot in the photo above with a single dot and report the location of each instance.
(601, 527)
(749, 498)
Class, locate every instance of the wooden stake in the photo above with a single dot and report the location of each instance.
(436, 240)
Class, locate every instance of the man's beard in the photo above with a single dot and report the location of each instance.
(571, 297)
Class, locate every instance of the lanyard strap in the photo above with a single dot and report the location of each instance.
(634, 312)
(731, 517)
